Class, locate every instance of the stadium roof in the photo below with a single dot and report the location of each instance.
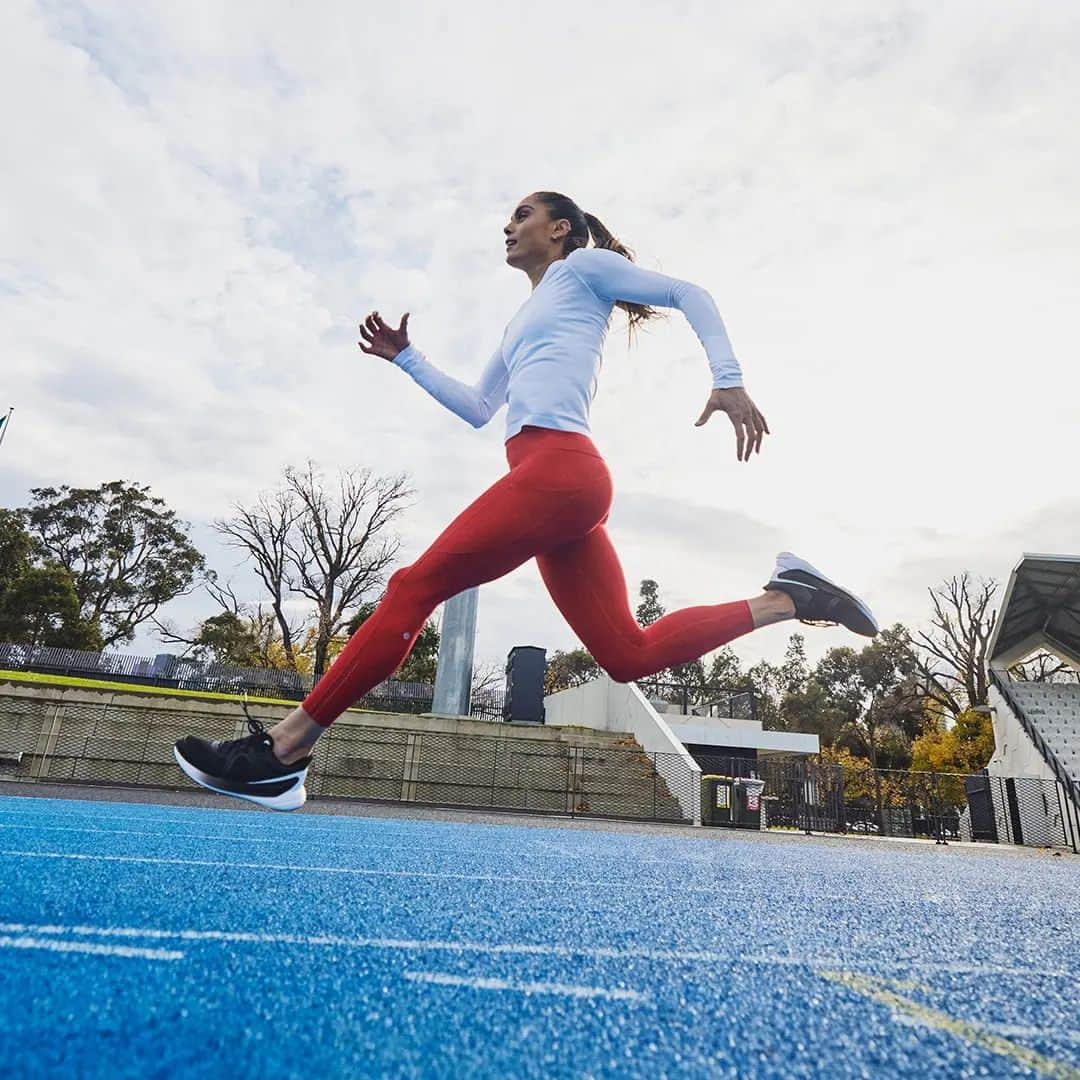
(1041, 610)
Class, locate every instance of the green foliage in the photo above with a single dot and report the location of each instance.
(566, 669)
(228, 638)
(16, 546)
(421, 663)
(874, 696)
(126, 553)
(650, 609)
(966, 747)
(725, 669)
(38, 605)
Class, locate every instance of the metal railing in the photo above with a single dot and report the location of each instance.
(816, 797)
(1071, 786)
(798, 794)
(179, 673)
(954, 806)
(718, 701)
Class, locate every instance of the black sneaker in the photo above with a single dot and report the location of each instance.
(818, 601)
(246, 768)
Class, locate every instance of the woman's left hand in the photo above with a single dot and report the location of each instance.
(750, 426)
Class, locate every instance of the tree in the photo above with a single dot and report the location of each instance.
(323, 546)
(423, 659)
(810, 709)
(876, 693)
(725, 670)
(16, 546)
(261, 532)
(965, 747)
(763, 680)
(1044, 667)
(228, 638)
(650, 609)
(38, 605)
(568, 669)
(783, 700)
(126, 553)
(242, 634)
(951, 656)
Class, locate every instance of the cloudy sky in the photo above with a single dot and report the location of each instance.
(198, 201)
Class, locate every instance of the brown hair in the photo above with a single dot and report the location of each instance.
(583, 225)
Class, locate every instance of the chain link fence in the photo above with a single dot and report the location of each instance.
(48, 739)
(951, 806)
(178, 673)
(101, 741)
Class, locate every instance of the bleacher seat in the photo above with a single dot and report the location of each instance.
(1054, 711)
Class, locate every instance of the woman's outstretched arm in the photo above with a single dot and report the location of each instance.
(613, 277)
(474, 404)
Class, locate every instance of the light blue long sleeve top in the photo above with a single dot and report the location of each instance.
(546, 366)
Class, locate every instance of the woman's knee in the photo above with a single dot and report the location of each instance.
(622, 669)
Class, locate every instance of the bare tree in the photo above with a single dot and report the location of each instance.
(262, 533)
(1044, 667)
(334, 555)
(322, 545)
(487, 680)
(242, 633)
(488, 677)
(951, 656)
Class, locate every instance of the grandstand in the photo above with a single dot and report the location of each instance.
(1036, 724)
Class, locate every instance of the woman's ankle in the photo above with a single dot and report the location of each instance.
(295, 736)
(771, 606)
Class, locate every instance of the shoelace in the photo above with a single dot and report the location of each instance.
(256, 727)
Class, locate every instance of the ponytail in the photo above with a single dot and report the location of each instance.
(582, 226)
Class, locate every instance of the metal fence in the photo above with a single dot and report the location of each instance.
(51, 740)
(719, 701)
(952, 806)
(814, 797)
(180, 673)
(798, 794)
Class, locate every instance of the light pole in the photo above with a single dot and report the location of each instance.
(453, 672)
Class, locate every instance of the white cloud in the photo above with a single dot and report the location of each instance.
(203, 199)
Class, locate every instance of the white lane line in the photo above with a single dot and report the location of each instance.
(689, 956)
(673, 887)
(309, 824)
(52, 945)
(401, 944)
(344, 841)
(560, 989)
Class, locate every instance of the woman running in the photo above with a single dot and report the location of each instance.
(552, 504)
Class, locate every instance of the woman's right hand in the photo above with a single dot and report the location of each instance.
(381, 339)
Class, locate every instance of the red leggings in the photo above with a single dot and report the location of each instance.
(551, 506)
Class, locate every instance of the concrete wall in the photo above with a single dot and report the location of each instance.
(1014, 752)
(606, 705)
(126, 738)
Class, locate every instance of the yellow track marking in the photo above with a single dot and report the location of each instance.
(962, 1029)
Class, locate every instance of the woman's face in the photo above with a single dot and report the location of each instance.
(532, 238)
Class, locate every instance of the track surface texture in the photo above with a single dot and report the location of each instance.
(165, 940)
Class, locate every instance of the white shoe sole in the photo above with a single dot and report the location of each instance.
(787, 560)
(292, 799)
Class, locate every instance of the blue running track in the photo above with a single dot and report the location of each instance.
(155, 940)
